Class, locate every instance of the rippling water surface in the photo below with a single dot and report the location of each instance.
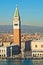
(21, 62)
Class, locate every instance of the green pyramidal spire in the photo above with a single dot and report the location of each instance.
(16, 12)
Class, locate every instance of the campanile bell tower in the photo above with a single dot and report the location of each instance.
(17, 27)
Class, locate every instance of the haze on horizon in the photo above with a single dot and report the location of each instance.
(31, 12)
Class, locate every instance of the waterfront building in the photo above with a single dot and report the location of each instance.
(9, 51)
(22, 48)
(15, 50)
(28, 45)
(4, 52)
(23, 45)
(17, 28)
(37, 48)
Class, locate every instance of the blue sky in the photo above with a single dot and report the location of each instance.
(31, 12)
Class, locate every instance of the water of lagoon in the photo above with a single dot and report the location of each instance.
(21, 62)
